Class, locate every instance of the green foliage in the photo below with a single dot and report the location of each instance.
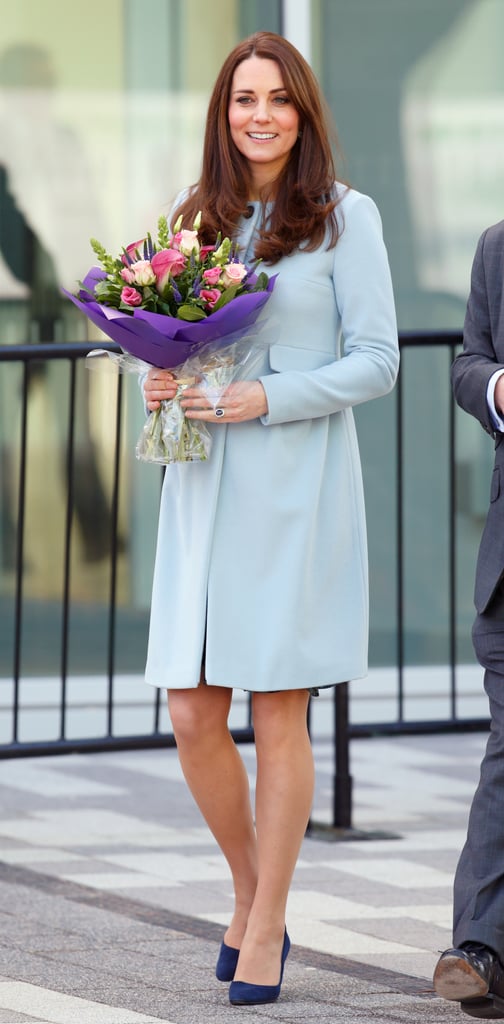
(227, 295)
(261, 283)
(108, 262)
(163, 233)
(191, 313)
(179, 295)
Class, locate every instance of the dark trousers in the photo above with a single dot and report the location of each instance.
(479, 879)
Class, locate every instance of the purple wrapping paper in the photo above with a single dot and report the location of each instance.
(165, 341)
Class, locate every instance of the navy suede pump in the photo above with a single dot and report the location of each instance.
(243, 994)
(226, 963)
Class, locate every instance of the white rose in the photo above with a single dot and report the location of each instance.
(143, 272)
(189, 243)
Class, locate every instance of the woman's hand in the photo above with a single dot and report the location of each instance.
(158, 385)
(243, 400)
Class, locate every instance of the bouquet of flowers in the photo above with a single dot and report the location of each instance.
(177, 304)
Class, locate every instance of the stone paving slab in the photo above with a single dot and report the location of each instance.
(113, 896)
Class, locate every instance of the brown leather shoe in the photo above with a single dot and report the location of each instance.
(473, 976)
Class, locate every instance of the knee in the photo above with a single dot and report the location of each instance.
(280, 718)
(184, 718)
(196, 714)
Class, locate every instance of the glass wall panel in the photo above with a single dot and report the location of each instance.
(101, 122)
(418, 99)
(417, 93)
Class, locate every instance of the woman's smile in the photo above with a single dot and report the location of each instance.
(262, 136)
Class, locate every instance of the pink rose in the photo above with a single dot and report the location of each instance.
(166, 262)
(233, 273)
(205, 249)
(210, 296)
(131, 297)
(211, 276)
(127, 275)
(134, 249)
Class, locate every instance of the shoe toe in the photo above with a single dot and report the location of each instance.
(456, 979)
(243, 994)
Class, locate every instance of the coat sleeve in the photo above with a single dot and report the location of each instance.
(473, 368)
(370, 356)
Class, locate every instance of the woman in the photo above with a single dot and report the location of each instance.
(261, 566)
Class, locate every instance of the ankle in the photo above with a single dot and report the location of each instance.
(237, 927)
(263, 933)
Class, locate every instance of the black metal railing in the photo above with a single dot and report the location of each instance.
(27, 356)
(450, 341)
(156, 736)
(344, 729)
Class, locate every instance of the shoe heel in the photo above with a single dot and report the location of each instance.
(226, 963)
(488, 1008)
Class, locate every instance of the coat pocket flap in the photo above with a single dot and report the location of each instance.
(286, 357)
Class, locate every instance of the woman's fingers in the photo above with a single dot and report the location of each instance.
(241, 401)
(159, 385)
(244, 400)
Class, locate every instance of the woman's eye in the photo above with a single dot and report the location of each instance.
(281, 100)
(243, 100)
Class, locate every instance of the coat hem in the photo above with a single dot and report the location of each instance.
(311, 686)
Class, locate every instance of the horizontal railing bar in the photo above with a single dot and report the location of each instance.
(54, 350)
(97, 745)
(443, 338)
(80, 349)
(402, 727)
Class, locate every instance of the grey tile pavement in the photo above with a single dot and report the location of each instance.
(113, 895)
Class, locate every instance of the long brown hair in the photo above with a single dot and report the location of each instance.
(304, 194)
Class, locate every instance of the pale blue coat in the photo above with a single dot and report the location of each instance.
(265, 543)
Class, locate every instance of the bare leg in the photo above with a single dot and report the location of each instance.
(218, 781)
(284, 794)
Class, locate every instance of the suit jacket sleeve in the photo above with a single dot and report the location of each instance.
(479, 360)
(482, 355)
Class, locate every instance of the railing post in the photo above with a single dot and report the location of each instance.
(341, 824)
(341, 828)
(342, 785)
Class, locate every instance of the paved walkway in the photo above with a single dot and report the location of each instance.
(113, 895)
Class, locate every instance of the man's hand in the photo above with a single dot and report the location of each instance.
(499, 395)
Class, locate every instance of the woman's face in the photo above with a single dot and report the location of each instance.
(263, 121)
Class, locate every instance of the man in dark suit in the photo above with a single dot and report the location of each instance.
(472, 972)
